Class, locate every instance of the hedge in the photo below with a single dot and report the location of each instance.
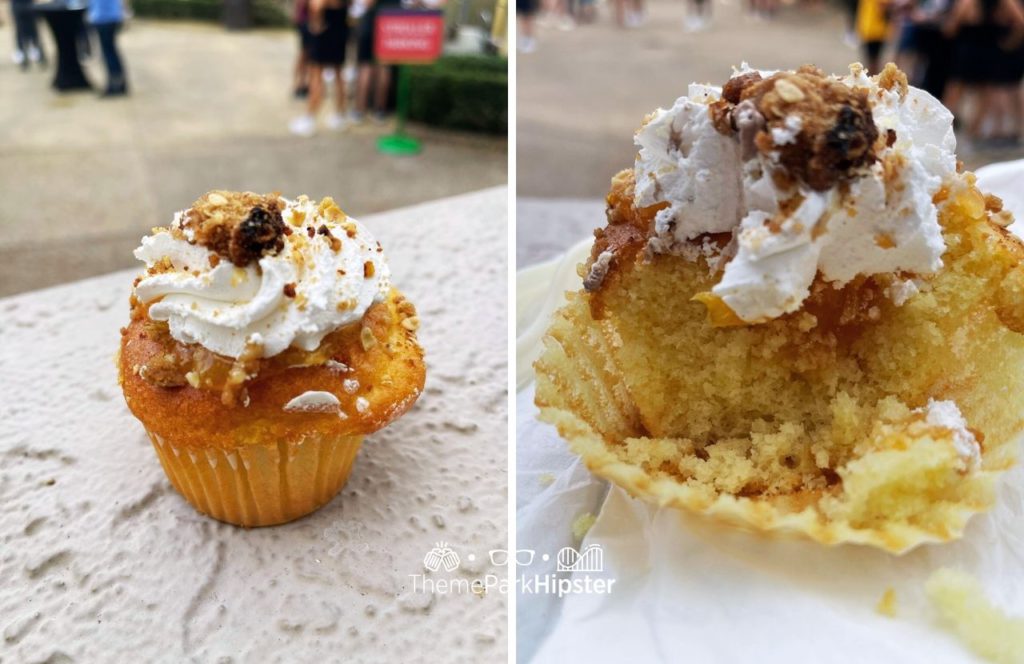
(461, 92)
(264, 12)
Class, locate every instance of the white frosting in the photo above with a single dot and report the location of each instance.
(313, 401)
(947, 415)
(685, 162)
(223, 308)
(902, 290)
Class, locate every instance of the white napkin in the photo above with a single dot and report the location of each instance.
(688, 590)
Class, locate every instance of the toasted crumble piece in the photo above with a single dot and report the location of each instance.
(837, 135)
(240, 226)
(892, 77)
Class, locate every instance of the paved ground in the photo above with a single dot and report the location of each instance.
(582, 94)
(82, 179)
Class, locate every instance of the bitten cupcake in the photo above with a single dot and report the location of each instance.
(801, 316)
(265, 342)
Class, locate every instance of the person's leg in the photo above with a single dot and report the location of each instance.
(563, 15)
(953, 97)
(982, 104)
(115, 66)
(527, 42)
(1002, 112)
(364, 64)
(305, 125)
(363, 87)
(316, 88)
(383, 87)
(340, 90)
(873, 56)
(107, 34)
(1016, 110)
(21, 35)
(301, 74)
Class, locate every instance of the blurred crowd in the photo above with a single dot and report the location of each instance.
(103, 21)
(969, 53)
(332, 33)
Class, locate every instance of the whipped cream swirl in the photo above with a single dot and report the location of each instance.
(292, 298)
(882, 220)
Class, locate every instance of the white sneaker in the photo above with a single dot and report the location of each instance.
(336, 122)
(565, 24)
(18, 57)
(356, 118)
(304, 125)
(34, 55)
(694, 24)
(527, 45)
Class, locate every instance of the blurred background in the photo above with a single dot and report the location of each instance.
(590, 70)
(190, 95)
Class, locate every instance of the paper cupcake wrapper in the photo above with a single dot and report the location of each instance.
(578, 390)
(261, 484)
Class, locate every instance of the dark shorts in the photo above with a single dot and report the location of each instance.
(908, 39)
(364, 39)
(329, 46)
(305, 36)
(873, 49)
(1009, 68)
(526, 7)
(977, 58)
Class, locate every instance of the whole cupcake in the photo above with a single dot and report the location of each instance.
(265, 342)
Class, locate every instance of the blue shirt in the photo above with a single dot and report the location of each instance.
(106, 11)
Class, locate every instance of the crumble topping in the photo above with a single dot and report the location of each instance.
(821, 130)
(240, 226)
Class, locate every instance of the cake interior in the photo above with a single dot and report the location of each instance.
(817, 407)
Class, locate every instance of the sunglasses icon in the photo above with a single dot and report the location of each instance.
(499, 557)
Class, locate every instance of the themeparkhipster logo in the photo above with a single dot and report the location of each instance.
(577, 571)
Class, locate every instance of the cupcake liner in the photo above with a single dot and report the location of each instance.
(259, 484)
(578, 391)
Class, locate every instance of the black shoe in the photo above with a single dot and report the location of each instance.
(118, 91)
(302, 92)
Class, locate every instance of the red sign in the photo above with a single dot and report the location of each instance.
(408, 36)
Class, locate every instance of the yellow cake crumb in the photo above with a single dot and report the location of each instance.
(547, 479)
(887, 605)
(966, 610)
(582, 525)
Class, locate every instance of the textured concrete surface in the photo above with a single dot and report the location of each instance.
(82, 179)
(583, 93)
(102, 561)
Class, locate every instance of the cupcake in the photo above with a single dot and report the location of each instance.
(801, 316)
(265, 342)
